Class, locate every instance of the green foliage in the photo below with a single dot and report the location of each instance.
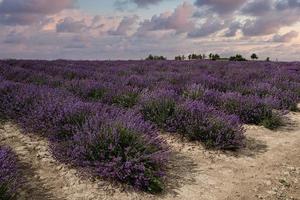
(126, 100)
(96, 94)
(272, 121)
(128, 145)
(155, 184)
(38, 80)
(194, 94)
(70, 75)
(159, 111)
(4, 194)
(70, 122)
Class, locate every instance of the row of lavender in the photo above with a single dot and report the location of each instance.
(99, 115)
(10, 176)
(110, 141)
(248, 87)
(102, 140)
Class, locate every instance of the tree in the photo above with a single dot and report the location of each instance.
(177, 57)
(254, 56)
(215, 57)
(238, 57)
(180, 57)
(151, 57)
(195, 57)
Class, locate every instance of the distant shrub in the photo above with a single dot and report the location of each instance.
(198, 121)
(150, 57)
(238, 57)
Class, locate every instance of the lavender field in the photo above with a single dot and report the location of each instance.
(110, 119)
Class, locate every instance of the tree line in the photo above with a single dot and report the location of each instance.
(211, 56)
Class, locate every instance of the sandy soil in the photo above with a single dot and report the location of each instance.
(268, 168)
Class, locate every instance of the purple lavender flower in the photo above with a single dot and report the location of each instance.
(10, 177)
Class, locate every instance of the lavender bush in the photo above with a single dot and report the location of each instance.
(159, 106)
(200, 122)
(10, 177)
(118, 146)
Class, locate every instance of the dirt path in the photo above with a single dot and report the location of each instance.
(269, 168)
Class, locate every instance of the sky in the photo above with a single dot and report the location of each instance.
(133, 29)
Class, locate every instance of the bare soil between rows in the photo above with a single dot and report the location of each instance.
(268, 168)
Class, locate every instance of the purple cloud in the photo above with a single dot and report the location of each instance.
(232, 29)
(69, 25)
(206, 29)
(257, 7)
(221, 6)
(287, 4)
(124, 26)
(144, 3)
(285, 37)
(121, 4)
(179, 20)
(270, 23)
(21, 12)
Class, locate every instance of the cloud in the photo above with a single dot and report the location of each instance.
(257, 7)
(14, 38)
(232, 29)
(179, 20)
(26, 12)
(206, 29)
(285, 37)
(287, 4)
(144, 3)
(124, 26)
(69, 25)
(270, 23)
(221, 6)
(77, 42)
(121, 4)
